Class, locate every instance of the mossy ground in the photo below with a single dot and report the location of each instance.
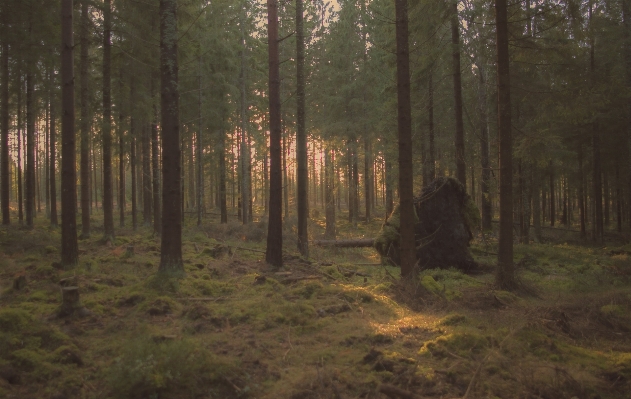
(234, 328)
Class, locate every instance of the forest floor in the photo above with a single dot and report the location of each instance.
(338, 325)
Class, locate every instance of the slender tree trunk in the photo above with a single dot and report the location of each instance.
(406, 173)
(29, 204)
(198, 147)
(121, 154)
(108, 199)
(69, 246)
(171, 249)
(53, 162)
(581, 193)
(20, 158)
(85, 123)
(46, 150)
(5, 184)
(157, 222)
(132, 161)
(285, 179)
(301, 135)
(266, 182)
(461, 170)
(146, 175)
(505, 272)
(274, 252)
(552, 195)
(431, 159)
(329, 180)
(626, 16)
(243, 159)
(619, 200)
(484, 154)
(536, 208)
(223, 203)
(389, 189)
(607, 198)
(597, 164)
(368, 178)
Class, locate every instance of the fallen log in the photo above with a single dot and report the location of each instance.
(355, 243)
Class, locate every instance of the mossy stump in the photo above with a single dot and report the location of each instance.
(71, 304)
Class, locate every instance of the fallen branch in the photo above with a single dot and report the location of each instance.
(355, 243)
(394, 392)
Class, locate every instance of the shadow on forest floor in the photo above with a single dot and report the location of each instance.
(339, 325)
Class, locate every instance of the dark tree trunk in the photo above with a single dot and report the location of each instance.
(301, 135)
(619, 200)
(368, 178)
(626, 16)
(536, 202)
(223, 203)
(108, 199)
(461, 169)
(29, 203)
(274, 252)
(389, 190)
(171, 250)
(597, 164)
(285, 178)
(552, 195)
(85, 123)
(407, 248)
(155, 165)
(199, 151)
(244, 159)
(121, 154)
(505, 271)
(132, 153)
(19, 139)
(146, 176)
(69, 246)
(329, 182)
(431, 159)
(53, 162)
(5, 184)
(607, 198)
(581, 193)
(485, 184)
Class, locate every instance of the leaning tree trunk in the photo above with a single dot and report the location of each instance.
(404, 115)
(4, 158)
(108, 199)
(171, 249)
(85, 123)
(53, 162)
(69, 246)
(274, 251)
(301, 134)
(505, 271)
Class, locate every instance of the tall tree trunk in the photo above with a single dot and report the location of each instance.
(171, 249)
(301, 135)
(20, 158)
(108, 199)
(274, 252)
(243, 159)
(461, 170)
(626, 16)
(5, 184)
(198, 147)
(553, 214)
(285, 178)
(121, 154)
(536, 202)
(619, 200)
(29, 204)
(368, 178)
(69, 246)
(581, 193)
(223, 203)
(146, 175)
(404, 116)
(505, 271)
(329, 181)
(53, 162)
(431, 159)
(597, 168)
(607, 198)
(85, 122)
(155, 165)
(484, 154)
(389, 189)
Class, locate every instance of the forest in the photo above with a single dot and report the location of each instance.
(315, 199)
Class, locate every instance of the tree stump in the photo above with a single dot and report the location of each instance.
(19, 282)
(71, 304)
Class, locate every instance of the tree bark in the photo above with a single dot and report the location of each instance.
(223, 203)
(626, 16)
(108, 199)
(5, 184)
(146, 176)
(431, 159)
(484, 154)
(505, 271)
(20, 158)
(69, 246)
(155, 165)
(461, 169)
(301, 135)
(29, 202)
(329, 182)
(244, 158)
(552, 196)
(536, 202)
(53, 161)
(85, 122)
(274, 252)
(121, 153)
(171, 248)
(404, 117)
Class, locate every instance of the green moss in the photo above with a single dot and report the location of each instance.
(51, 249)
(13, 320)
(45, 271)
(614, 310)
(471, 214)
(453, 320)
(461, 343)
(307, 289)
(333, 272)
